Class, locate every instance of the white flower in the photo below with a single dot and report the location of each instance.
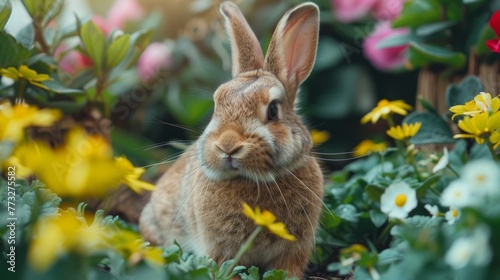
(482, 177)
(473, 249)
(460, 253)
(443, 161)
(398, 200)
(483, 101)
(452, 215)
(457, 194)
(433, 209)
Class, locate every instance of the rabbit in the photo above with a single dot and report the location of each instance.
(255, 149)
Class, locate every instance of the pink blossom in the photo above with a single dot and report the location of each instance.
(103, 24)
(494, 22)
(72, 61)
(351, 10)
(384, 58)
(387, 9)
(155, 57)
(124, 11)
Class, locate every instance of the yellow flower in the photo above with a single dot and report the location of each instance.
(14, 119)
(385, 108)
(83, 167)
(54, 236)
(479, 126)
(319, 137)
(481, 103)
(268, 220)
(404, 132)
(495, 139)
(132, 176)
(25, 73)
(134, 249)
(368, 146)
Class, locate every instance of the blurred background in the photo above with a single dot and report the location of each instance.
(189, 58)
(368, 50)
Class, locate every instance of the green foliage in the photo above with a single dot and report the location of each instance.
(5, 11)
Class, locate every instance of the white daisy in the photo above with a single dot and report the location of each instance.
(443, 161)
(483, 177)
(473, 249)
(398, 200)
(452, 215)
(433, 209)
(457, 194)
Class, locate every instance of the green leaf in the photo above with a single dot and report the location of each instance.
(434, 129)
(347, 212)
(466, 90)
(330, 220)
(397, 40)
(487, 33)
(378, 218)
(432, 28)
(6, 148)
(277, 275)
(479, 151)
(95, 43)
(57, 87)
(117, 50)
(5, 11)
(252, 274)
(43, 11)
(329, 53)
(11, 51)
(26, 36)
(426, 185)
(426, 105)
(418, 12)
(374, 192)
(421, 55)
(389, 256)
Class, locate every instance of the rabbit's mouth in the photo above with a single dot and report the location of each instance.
(231, 163)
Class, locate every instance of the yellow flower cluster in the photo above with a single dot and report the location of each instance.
(385, 108)
(83, 167)
(267, 220)
(319, 136)
(404, 132)
(14, 119)
(23, 72)
(481, 119)
(368, 146)
(69, 232)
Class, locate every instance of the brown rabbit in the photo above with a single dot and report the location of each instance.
(255, 150)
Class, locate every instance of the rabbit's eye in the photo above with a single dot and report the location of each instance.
(272, 111)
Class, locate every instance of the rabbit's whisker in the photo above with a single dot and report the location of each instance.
(198, 132)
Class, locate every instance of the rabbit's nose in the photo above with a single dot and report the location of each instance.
(229, 142)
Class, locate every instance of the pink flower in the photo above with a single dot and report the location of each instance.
(72, 61)
(494, 44)
(102, 23)
(387, 58)
(387, 9)
(124, 11)
(351, 10)
(155, 57)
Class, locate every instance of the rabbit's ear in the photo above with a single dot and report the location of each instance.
(292, 50)
(245, 48)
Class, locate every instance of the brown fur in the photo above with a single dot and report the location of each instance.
(244, 157)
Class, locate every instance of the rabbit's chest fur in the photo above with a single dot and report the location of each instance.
(206, 216)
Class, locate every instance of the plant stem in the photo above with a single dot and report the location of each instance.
(20, 94)
(243, 249)
(385, 232)
(39, 37)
